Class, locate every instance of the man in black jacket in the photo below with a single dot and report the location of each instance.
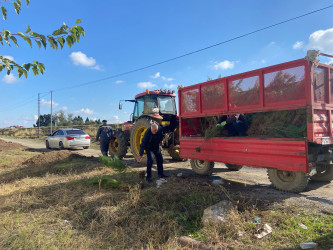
(151, 143)
(104, 133)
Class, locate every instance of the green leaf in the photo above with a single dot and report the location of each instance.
(69, 41)
(28, 30)
(1, 67)
(28, 40)
(38, 43)
(28, 1)
(61, 41)
(43, 41)
(53, 42)
(19, 72)
(34, 34)
(19, 2)
(17, 8)
(25, 73)
(27, 66)
(35, 70)
(13, 38)
(41, 67)
(21, 34)
(4, 13)
(78, 21)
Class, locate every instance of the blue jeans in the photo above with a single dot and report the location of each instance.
(159, 162)
(237, 128)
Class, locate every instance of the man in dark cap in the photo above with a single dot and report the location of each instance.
(104, 134)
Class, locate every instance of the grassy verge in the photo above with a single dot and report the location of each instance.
(62, 205)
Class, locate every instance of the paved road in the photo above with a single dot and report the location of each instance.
(251, 182)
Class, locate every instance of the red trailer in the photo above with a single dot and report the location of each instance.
(297, 85)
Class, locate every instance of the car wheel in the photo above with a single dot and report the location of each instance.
(86, 147)
(47, 145)
(61, 145)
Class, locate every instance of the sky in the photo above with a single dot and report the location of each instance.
(125, 35)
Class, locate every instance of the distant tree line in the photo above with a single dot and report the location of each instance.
(62, 119)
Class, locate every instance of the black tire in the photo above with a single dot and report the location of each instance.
(137, 132)
(287, 180)
(118, 146)
(325, 175)
(202, 167)
(86, 147)
(61, 145)
(233, 167)
(47, 144)
(174, 153)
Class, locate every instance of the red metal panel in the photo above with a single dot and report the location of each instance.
(283, 154)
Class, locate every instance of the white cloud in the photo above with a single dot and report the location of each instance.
(263, 61)
(116, 119)
(94, 119)
(81, 59)
(167, 78)
(144, 85)
(119, 81)
(86, 111)
(9, 57)
(322, 40)
(48, 103)
(157, 75)
(64, 108)
(170, 86)
(224, 65)
(35, 117)
(298, 45)
(9, 79)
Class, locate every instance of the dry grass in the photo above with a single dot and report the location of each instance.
(48, 206)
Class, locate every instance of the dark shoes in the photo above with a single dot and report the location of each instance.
(163, 176)
(149, 180)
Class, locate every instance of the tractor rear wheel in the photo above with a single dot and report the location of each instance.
(118, 146)
(138, 130)
(233, 167)
(202, 167)
(325, 175)
(287, 180)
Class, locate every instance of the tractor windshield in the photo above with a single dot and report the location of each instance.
(167, 104)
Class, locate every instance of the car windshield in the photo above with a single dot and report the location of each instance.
(75, 132)
(167, 104)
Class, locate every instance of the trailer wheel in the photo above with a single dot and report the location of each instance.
(287, 180)
(325, 175)
(202, 167)
(118, 146)
(233, 167)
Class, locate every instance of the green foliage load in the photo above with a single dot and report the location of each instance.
(274, 124)
(114, 162)
(278, 124)
(106, 182)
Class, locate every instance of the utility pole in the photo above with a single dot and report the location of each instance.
(51, 111)
(38, 115)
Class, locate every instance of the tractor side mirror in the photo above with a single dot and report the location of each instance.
(120, 106)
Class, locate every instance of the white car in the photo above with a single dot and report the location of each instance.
(68, 138)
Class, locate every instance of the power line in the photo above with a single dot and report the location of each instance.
(193, 52)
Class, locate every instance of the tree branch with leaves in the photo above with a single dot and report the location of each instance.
(58, 38)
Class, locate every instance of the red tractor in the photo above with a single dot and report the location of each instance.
(150, 107)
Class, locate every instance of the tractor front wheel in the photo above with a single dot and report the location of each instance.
(202, 167)
(118, 146)
(287, 180)
(138, 130)
(174, 153)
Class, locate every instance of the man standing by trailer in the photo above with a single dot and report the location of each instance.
(104, 134)
(151, 144)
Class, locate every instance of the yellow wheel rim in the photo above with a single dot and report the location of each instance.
(140, 132)
(114, 145)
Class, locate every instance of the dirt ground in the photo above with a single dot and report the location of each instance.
(249, 182)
